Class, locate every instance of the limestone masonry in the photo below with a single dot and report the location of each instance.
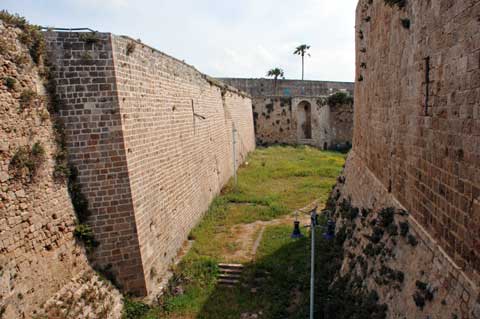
(152, 140)
(298, 112)
(39, 255)
(416, 141)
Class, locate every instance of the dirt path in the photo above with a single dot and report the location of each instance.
(246, 238)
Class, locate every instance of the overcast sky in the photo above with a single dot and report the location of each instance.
(223, 38)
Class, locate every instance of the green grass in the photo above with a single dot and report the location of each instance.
(276, 181)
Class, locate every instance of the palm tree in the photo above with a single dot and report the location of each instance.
(302, 50)
(276, 73)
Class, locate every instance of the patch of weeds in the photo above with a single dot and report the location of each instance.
(13, 19)
(386, 216)
(419, 299)
(365, 212)
(377, 235)
(37, 150)
(387, 275)
(405, 23)
(86, 57)
(339, 98)
(392, 229)
(421, 285)
(44, 115)
(79, 200)
(412, 240)
(130, 48)
(27, 99)
(398, 3)
(84, 233)
(269, 107)
(20, 60)
(89, 37)
(423, 294)
(31, 35)
(404, 228)
(27, 161)
(371, 250)
(9, 83)
(134, 309)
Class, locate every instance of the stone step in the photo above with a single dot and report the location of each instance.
(228, 281)
(229, 276)
(230, 266)
(230, 271)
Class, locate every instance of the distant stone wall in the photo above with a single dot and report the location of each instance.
(152, 139)
(266, 87)
(416, 137)
(38, 252)
(282, 120)
(296, 112)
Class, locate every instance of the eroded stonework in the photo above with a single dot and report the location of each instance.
(416, 143)
(39, 255)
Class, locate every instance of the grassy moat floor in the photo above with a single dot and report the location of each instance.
(251, 225)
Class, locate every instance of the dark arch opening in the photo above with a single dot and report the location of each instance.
(305, 119)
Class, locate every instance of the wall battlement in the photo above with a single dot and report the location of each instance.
(152, 140)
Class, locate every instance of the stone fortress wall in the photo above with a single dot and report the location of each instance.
(152, 140)
(297, 112)
(416, 142)
(38, 252)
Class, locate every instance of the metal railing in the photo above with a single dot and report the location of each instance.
(67, 29)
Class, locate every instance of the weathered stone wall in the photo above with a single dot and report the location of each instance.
(416, 254)
(416, 138)
(178, 135)
(86, 86)
(38, 252)
(152, 138)
(266, 87)
(281, 120)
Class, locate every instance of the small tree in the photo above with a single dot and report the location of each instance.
(302, 50)
(275, 73)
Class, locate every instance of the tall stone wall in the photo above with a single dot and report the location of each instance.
(416, 138)
(86, 86)
(39, 255)
(152, 138)
(282, 120)
(267, 87)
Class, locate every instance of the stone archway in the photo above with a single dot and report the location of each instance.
(304, 111)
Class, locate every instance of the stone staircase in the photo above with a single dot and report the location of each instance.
(306, 142)
(230, 274)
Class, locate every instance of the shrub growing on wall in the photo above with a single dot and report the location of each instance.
(31, 36)
(27, 161)
(340, 98)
